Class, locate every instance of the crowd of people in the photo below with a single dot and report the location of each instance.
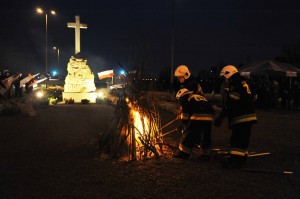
(283, 93)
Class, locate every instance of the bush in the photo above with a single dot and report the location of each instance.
(85, 101)
(69, 101)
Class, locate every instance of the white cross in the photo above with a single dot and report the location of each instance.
(77, 25)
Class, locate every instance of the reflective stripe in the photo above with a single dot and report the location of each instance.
(200, 90)
(239, 152)
(244, 118)
(185, 149)
(245, 85)
(198, 98)
(184, 116)
(204, 117)
(234, 95)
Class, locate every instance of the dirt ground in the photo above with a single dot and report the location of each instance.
(53, 155)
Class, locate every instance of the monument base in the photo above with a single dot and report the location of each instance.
(77, 97)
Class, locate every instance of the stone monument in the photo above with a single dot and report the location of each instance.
(79, 83)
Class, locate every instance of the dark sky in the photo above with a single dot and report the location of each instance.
(131, 32)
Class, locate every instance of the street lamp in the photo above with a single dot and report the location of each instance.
(172, 43)
(54, 48)
(41, 11)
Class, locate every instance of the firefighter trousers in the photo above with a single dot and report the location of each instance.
(240, 136)
(197, 133)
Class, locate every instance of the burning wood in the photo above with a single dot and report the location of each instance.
(135, 131)
(145, 132)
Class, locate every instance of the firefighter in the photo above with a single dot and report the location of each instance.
(186, 80)
(197, 116)
(18, 89)
(240, 110)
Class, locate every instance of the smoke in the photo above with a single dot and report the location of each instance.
(97, 63)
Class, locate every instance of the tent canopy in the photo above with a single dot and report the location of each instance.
(268, 68)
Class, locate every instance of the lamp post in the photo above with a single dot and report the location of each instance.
(54, 48)
(172, 43)
(41, 11)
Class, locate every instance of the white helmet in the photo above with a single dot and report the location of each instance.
(182, 71)
(228, 71)
(182, 92)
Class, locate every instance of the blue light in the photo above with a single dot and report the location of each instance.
(54, 73)
(122, 72)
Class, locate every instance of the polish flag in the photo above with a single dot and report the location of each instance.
(7, 82)
(106, 74)
(27, 79)
(37, 82)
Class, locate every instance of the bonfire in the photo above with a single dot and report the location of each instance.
(135, 131)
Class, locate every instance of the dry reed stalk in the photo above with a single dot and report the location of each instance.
(123, 138)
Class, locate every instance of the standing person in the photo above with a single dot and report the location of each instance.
(275, 92)
(197, 116)
(186, 80)
(5, 76)
(18, 89)
(240, 110)
(1, 83)
(2, 75)
(29, 86)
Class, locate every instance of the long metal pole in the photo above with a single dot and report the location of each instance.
(58, 58)
(46, 56)
(172, 43)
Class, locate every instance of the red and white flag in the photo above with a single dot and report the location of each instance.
(37, 81)
(7, 82)
(106, 74)
(27, 79)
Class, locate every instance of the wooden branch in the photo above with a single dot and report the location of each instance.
(167, 124)
(167, 133)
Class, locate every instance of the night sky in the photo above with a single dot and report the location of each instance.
(138, 32)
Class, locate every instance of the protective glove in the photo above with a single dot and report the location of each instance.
(218, 122)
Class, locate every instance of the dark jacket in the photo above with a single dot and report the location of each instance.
(196, 108)
(192, 85)
(239, 105)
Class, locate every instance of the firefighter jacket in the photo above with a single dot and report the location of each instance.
(239, 105)
(195, 107)
(192, 85)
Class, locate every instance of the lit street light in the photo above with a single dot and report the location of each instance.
(41, 11)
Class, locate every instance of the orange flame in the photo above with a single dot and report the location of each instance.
(141, 123)
(144, 131)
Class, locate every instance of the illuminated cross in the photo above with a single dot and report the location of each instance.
(77, 25)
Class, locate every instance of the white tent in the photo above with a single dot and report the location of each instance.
(270, 68)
